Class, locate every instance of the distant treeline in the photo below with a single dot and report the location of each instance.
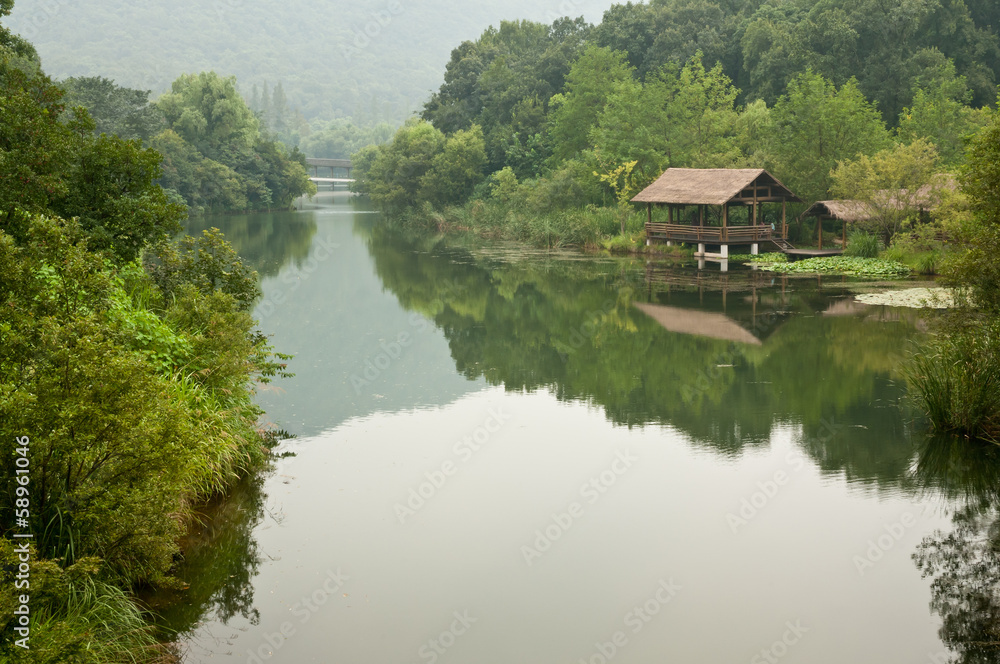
(795, 87)
(216, 155)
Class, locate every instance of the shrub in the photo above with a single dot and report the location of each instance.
(862, 245)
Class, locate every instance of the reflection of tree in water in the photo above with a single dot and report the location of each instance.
(265, 241)
(965, 563)
(221, 558)
(571, 326)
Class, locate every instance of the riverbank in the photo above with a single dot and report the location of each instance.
(132, 403)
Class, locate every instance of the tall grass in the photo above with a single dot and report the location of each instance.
(862, 245)
(956, 378)
(98, 623)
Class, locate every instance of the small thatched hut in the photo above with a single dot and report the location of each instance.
(846, 212)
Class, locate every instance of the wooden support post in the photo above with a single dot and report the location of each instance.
(784, 222)
(670, 213)
(701, 215)
(649, 213)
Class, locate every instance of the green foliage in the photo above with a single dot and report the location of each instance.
(682, 117)
(78, 618)
(36, 148)
(114, 195)
(862, 245)
(503, 82)
(115, 110)
(940, 113)
(423, 165)
(860, 267)
(145, 402)
(214, 154)
(594, 78)
(977, 265)
(339, 139)
(896, 185)
(817, 125)
(60, 166)
(8, 40)
(209, 264)
(762, 259)
(208, 112)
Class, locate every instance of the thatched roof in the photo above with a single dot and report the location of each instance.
(710, 186)
(699, 323)
(847, 210)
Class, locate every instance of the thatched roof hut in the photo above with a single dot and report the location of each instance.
(746, 188)
(847, 210)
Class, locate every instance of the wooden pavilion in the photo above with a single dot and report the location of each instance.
(845, 211)
(714, 193)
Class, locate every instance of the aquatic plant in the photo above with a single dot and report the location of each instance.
(860, 267)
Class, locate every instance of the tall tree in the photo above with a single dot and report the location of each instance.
(896, 184)
(10, 41)
(116, 110)
(682, 117)
(940, 111)
(817, 125)
(594, 77)
(207, 111)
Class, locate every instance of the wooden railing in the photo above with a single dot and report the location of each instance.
(709, 234)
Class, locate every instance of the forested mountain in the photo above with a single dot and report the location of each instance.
(377, 59)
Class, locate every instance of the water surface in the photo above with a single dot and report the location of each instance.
(516, 456)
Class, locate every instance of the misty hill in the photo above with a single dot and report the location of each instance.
(377, 59)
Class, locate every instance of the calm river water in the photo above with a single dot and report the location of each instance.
(518, 457)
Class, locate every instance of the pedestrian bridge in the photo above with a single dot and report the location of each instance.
(339, 171)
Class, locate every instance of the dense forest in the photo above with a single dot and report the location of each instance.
(218, 155)
(128, 362)
(795, 87)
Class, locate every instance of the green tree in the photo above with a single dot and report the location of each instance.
(113, 192)
(208, 112)
(895, 184)
(115, 110)
(940, 112)
(8, 40)
(978, 265)
(683, 117)
(456, 170)
(594, 77)
(60, 166)
(817, 125)
(396, 174)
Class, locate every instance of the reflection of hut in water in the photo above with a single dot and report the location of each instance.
(698, 323)
(726, 306)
